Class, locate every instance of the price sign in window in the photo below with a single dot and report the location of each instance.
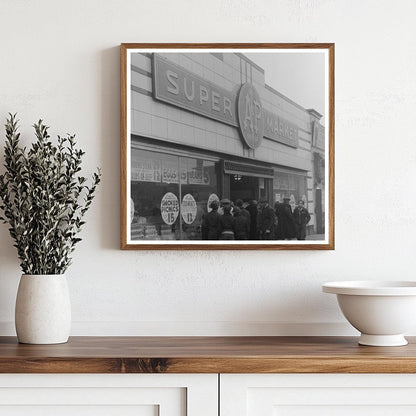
(169, 207)
(188, 209)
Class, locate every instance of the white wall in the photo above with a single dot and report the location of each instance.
(60, 61)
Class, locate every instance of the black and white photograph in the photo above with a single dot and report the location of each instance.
(227, 147)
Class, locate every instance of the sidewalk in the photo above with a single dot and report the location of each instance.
(315, 237)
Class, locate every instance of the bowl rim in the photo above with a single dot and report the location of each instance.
(371, 288)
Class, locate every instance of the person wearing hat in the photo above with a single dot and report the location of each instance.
(286, 229)
(224, 202)
(227, 222)
(266, 220)
(301, 218)
(211, 223)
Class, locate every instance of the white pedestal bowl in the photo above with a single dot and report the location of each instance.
(381, 311)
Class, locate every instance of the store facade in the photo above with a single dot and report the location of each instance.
(206, 126)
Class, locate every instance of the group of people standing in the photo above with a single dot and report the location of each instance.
(255, 221)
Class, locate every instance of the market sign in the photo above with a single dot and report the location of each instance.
(188, 209)
(169, 207)
(177, 86)
(250, 115)
(280, 130)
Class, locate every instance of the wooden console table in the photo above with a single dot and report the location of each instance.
(206, 376)
(259, 355)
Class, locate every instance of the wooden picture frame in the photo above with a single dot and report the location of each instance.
(204, 125)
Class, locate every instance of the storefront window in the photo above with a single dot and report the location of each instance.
(170, 195)
(289, 185)
(200, 183)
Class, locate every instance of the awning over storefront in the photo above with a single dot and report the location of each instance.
(234, 168)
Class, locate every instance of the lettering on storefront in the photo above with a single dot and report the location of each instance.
(170, 172)
(177, 86)
(198, 176)
(145, 170)
(280, 130)
(157, 170)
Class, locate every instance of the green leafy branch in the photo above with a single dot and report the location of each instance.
(44, 198)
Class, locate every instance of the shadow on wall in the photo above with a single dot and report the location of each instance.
(109, 98)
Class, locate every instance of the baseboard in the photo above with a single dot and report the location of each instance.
(201, 328)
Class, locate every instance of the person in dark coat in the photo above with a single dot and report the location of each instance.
(266, 220)
(286, 229)
(211, 223)
(301, 217)
(253, 211)
(227, 222)
(242, 225)
(239, 203)
(278, 206)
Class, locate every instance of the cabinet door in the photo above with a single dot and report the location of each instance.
(318, 394)
(108, 395)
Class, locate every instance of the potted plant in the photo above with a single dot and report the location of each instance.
(44, 199)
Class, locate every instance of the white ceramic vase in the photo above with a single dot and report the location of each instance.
(43, 309)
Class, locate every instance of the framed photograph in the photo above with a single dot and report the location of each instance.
(227, 146)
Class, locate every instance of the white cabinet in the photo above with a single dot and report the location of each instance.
(197, 395)
(108, 395)
(317, 394)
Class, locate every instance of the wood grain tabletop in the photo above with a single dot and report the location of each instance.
(206, 355)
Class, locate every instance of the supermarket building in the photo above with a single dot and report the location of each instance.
(207, 126)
